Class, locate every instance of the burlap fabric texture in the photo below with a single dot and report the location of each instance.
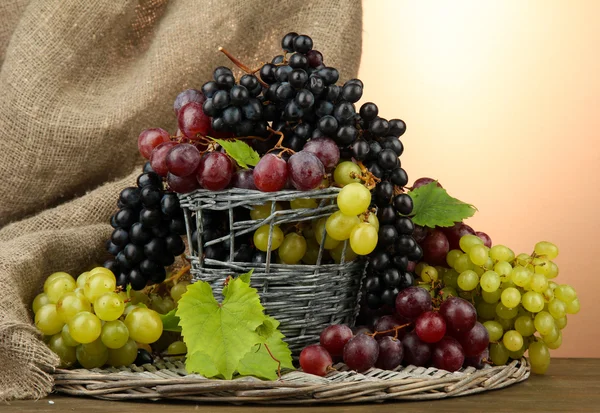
(78, 81)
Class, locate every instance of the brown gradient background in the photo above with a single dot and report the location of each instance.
(502, 103)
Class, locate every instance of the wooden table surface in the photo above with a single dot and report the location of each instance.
(571, 385)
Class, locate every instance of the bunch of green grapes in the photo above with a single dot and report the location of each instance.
(91, 321)
(515, 297)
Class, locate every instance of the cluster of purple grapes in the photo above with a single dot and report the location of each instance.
(448, 338)
(147, 232)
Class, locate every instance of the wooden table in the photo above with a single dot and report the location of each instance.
(571, 385)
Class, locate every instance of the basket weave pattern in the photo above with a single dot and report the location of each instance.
(169, 380)
(304, 298)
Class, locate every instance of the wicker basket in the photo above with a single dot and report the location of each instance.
(304, 298)
(169, 380)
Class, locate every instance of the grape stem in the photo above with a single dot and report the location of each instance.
(273, 357)
(393, 330)
(279, 145)
(242, 66)
(367, 177)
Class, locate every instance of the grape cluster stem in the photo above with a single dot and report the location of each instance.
(241, 65)
(393, 330)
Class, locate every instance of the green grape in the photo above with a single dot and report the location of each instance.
(478, 270)
(547, 249)
(292, 248)
(263, 211)
(524, 325)
(312, 252)
(552, 336)
(320, 231)
(71, 304)
(339, 226)
(478, 254)
(109, 306)
(507, 313)
(261, 238)
(544, 322)
(177, 348)
(463, 263)
(67, 338)
(363, 238)
(548, 295)
(468, 241)
(429, 274)
(556, 343)
(467, 295)
(516, 355)
(552, 270)
(303, 203)
(503, 269)
(557, 308)
(521, 311)
(491, 297)
(533, 302)
(521, 276)
(573, 307)
(167, 305)
(494, 329)
(468, 280)
(66, 353)
(98, 283)
(114, 334)
(561, 323)
(501, 253)
(59, 286)
(129, 308)
(506, 323)
(336, 253)
(101, 270)
(498, 354)
(123, 356)
(490, 281)
(552, 285)
(92, 355)
(419, 267)
(56, 276)
(510, 297)
(39, 301)
(138, 297)
(370, 218)
(565, 293)
(485, 310)
(157, 303)
(512, 340)
(178, 290)
(82, 279)
(538, 283)
(85, 327)
(539, 357)
(540, 265)
(144, 325)
(47, 320)
(452, 256)
(308, 229)
(447, 292)
(354, 199)
(450, 278)
(346, 173)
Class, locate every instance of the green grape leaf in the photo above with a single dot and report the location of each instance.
(434, 207)
(259, 362)
(240, 151)
(170, 321)
(222, 332)
(246, 277)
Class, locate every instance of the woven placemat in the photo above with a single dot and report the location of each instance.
(169, 380)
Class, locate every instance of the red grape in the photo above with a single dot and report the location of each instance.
(478, 361)
(475, 340)
(361, 353)
(413, 301)
(430, 327)
(315, 359)
(192, 120)
(424, 181)
(271, 173)
(158, 159)
(244, 179)
(305, 170)
(183, 159)
(326, 150)
(460, 315)
(416, 352)
(182, 185)
(362, 330)
(454, 234)
(335, 337)
(487, 241)
(215, 171)
(187, 96)
(435, 247)
(391, 353)
(411, 266)
(388, 322)
(448, 354)
(150, 139)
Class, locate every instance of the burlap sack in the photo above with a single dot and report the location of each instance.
(78, 81)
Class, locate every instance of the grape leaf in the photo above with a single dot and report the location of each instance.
(170, 321)
(222, 332)
(259, 362)
(240, 151)
(432, 206)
